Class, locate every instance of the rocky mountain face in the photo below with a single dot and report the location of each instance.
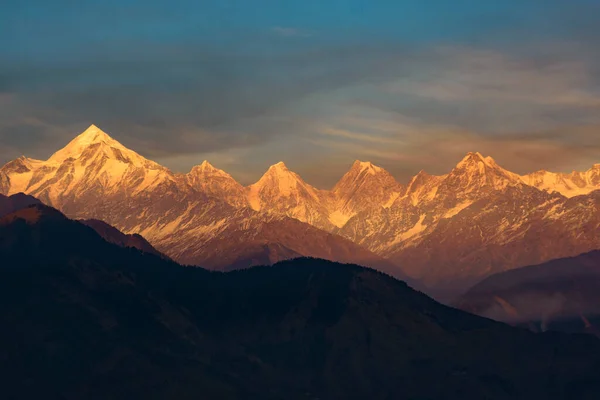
(365, 187)
(449, 231)
(562, 294)
(453, 230)
(216, 183)
(149, 328)
(192, 218)
(282, 191)
(573, 184)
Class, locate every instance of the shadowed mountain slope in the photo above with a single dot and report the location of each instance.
(562, 294)
(115, 236)
(83, 318)
(10, 204)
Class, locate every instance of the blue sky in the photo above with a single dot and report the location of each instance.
(408, 85)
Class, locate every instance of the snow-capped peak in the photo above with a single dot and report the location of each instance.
(207, 171)
(279, 181)
(91, 136)
(363, 166)
(361, 175)
(94, 145)
(475, 171)
(280, 166)
(474, 162)
(204, 167)
(473, 159)
(279, 175)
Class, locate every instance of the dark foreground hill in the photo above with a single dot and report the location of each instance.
(562, 294)
(115, 236)
(83, 318)
(10, 204)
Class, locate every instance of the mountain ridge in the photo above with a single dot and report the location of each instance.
(586, 181)
(150, 328)
(475, 220)
(561, 294)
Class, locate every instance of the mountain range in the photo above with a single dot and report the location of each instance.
(447, 231)
(86, 318)
(561, 294)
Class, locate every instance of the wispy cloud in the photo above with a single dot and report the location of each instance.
(504, 84)
(360, 137)
(466, 74)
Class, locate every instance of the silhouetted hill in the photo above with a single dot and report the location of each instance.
(83, 318)
(10, 204)
(562, 294)
(115, 236)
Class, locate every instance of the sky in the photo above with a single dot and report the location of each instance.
(405, 84)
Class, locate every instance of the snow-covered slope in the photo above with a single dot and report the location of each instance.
(364, 187)
(569, 185)
(191, 218)
(478, 219)
(94, 163)
(216, 183)
(282, 191)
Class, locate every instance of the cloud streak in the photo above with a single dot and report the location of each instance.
(238, 85)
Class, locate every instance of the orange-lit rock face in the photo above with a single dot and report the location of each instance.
(476, 220)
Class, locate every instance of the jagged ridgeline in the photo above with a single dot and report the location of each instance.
(452, 229)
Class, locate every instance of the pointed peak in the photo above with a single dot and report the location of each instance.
(278, 169)
(419, 179)
(91, 136)
(368, 166)
(279, 172)
(474, 158)
(279, 165)
(94, 134)
(206, 168)
(473, 155)
(206, 165)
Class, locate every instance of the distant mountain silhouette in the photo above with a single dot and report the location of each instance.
(84, 318)
(115, 236)
(562, 294)
(10, 204)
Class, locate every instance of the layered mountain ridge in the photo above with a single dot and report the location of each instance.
(84, 318)
(561, 294)
(454, 229)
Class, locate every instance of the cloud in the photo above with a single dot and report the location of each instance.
(521, 92)
(405, 145)
(173, 101)
(478, 75)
